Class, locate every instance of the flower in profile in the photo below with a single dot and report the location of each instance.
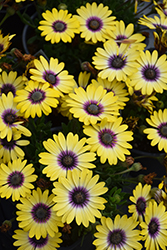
(5, 42)
(10, 150)
(9, 118)
(125, 35)
(77, 196)
(118, 88)
(151, 74)
(115, 61)
(36, 98)
(118, 234)
(154, 228)
(141, 197)
(65, 154)
(158, 134)
(53, 73)
(10, 82)
(36, 215)
(94, 21)
(154, 23)
(23, 241)
(93, 104)
(109, 140)
(58, 25)
(16, 178)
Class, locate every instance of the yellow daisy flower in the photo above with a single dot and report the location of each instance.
(93, 104)
(115, 61)
(58, 25)
(117, 234)
(158, 134)
(65, 155)
(118, 88)
(10, 150)
(9, 115)
(77, 196)
(23, 241)
(16, 178)
(36, 215)
(94, 21)
(154, 22)
(10, 82)
(125, 35)
(53, 73)
(141, 197)
(5, 42)
(154, 228)
(151, 74)
(109, 140)
(36, 98)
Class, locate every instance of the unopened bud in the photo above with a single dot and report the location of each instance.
(136, 167)
(62, 6)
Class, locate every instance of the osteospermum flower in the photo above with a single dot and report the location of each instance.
(118, 234)
(93, 104)
(10, 150)
(94, 21)
(16, 178)
(5, 42)
(36, 215)
(115, 61)
(23, 241)
(36, 98)
(78, 197)
(141, 197)
(9, 118)
(154, 228)
(124, 34)
(53, 73)
(65, 155)
(118, 88)
(109, 140)
(10, 82)
(153, 23)
(58, 25)
(151, 74)
(158, 134)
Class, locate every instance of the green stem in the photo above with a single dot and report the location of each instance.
(5, 17)
(24, 20)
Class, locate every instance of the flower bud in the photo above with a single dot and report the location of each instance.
(62, 6)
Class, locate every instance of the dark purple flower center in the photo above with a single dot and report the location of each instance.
(38, 243)
(8, 87)
(94, 24)
(117, 62)
(153, 227)
(120, 38)
(107, 138)
(160, 26)
(150, 73)
(9, 116)
(67, 160)
(93, 108)
(36, 96)
(141, 206)
(41, 213)
(162, 130)
(59, 26)
(1, 47)
(116, 238)
(79, 197)
(9, 145)
(51, 78)
(15, 179)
